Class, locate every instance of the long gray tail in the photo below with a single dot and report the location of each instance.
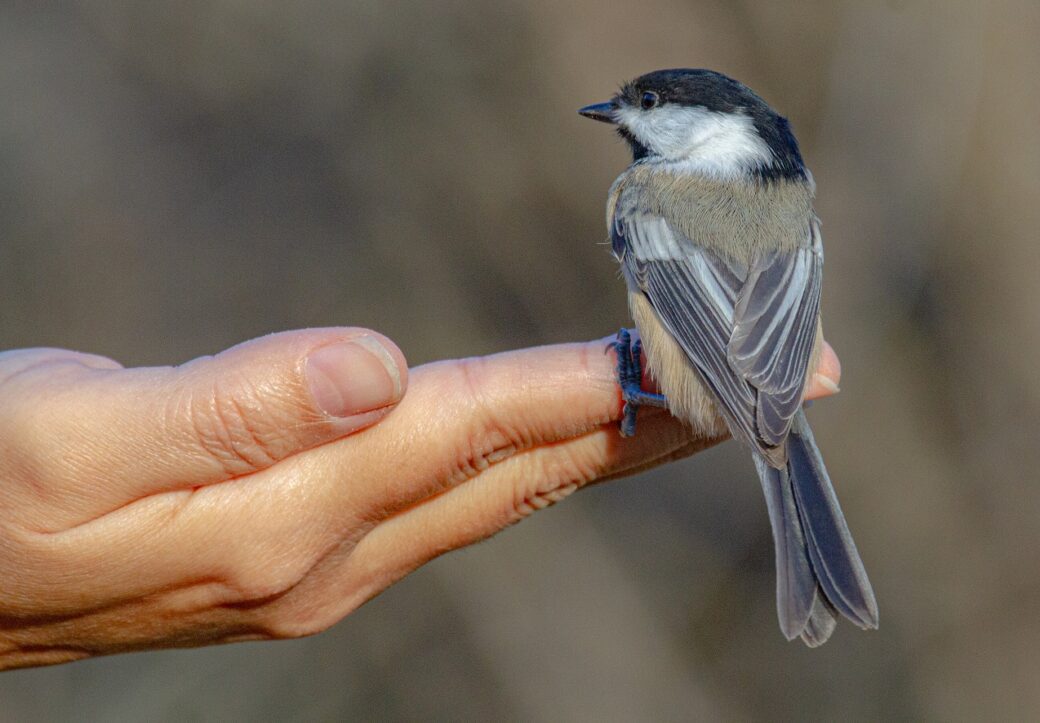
(818, 571)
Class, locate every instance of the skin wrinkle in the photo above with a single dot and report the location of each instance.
(180, 406)
(185, 499)
(198, 421)
(487, 442)
(519, 468)
(227, 422)
(78, 526)
(174, 514)
(265, 454)
(481, 458)
(585, 364)
(518, 453)
(32, 620)
(491, 436)
(558, 473)
(203, 451)
(571, 472)
(541, 500)
(209, 420)
(100, 626)
(280, 405)
(474, 371)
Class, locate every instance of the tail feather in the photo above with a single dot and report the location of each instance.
(831, 549)
(795, 580)
(821, 623)
(819, 571)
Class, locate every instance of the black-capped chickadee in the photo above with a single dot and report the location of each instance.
(714, 228)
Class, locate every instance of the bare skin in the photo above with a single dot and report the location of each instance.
(270, 490)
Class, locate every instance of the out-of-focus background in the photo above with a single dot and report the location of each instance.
(179, 177)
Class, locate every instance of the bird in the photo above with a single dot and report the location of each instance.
(714, 229)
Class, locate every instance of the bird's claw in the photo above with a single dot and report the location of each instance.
(630, 379)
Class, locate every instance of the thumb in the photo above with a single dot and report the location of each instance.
(113, 435)
(264, 400)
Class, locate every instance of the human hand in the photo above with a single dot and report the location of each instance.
(217, 501)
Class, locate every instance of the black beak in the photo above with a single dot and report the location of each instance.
(603, 112)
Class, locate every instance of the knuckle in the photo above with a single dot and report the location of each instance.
(294, 623)
(35, 445)
(471, 385)
(315, 616)
(493, 432)
(549, 481)
(260, 581)
(264, 568)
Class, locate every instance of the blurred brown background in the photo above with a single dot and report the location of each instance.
(178, 177)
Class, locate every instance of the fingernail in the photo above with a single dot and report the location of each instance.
(353, 377)
(827, 383)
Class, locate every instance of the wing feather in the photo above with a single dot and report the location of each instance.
(748, 329)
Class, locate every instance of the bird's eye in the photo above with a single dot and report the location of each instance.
(649, 100)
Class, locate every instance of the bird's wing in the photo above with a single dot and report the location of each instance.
(748, 329)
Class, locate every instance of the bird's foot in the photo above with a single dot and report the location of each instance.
(630, 379)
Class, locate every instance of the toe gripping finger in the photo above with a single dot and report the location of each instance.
(630, 379)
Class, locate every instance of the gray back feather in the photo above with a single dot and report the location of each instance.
(745, 316)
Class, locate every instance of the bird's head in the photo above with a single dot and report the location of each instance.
(714, 123)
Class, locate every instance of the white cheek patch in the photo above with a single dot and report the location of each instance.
(713, 142)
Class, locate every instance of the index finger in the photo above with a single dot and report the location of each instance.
(462, 416)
